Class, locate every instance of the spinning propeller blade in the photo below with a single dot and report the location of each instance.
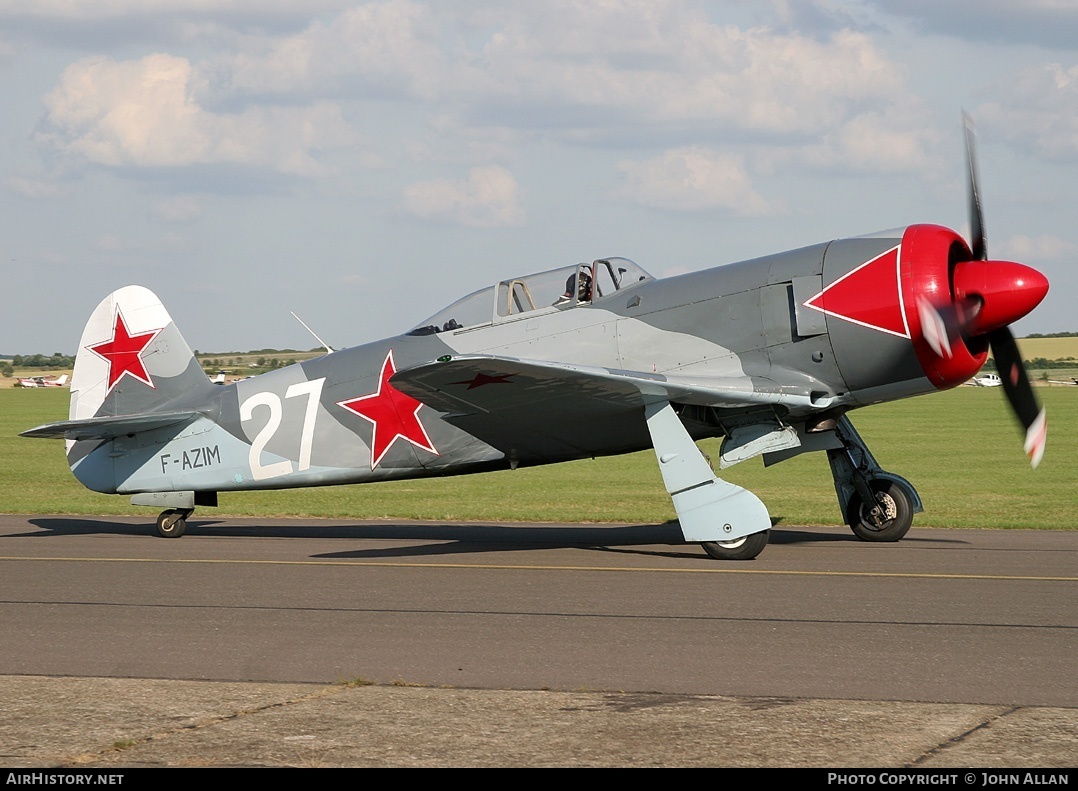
(986, 297)
(1007, 292)
(1019, 392)
(977, 241)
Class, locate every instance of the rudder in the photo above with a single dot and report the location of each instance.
(132, 359)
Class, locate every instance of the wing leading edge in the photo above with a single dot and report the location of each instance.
(540, 409)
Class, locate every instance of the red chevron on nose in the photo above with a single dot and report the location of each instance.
(869, 295)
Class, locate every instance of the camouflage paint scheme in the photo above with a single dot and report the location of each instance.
(582, 361)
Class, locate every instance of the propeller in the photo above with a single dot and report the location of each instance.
(987, 296)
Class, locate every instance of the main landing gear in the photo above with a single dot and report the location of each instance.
(729, 522)
(886, 518)
(877, 505)
(172, 522)
(744, 548)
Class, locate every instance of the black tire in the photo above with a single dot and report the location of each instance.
(171, 523)
(744, 548)
(898, 513)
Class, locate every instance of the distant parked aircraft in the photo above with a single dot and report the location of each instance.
(986, 380)
(41, 381)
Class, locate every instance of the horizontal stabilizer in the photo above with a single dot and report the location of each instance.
(110, 426)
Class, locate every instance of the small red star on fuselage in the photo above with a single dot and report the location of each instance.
(393, 414)
(485, 379)
(123, 353)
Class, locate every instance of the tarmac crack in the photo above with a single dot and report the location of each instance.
(962, 737)
(123, 745)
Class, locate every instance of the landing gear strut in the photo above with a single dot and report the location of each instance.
(172, 522)
(729, 522)
(876, 504)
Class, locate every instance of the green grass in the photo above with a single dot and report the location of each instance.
(962, 450)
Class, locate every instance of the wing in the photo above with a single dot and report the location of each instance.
(533, 409)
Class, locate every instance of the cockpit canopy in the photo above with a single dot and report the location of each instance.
(555, 289)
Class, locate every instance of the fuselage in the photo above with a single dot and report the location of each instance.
(768, 326)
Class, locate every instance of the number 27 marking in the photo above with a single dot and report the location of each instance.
(313, 391)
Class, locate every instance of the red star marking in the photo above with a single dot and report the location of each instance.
(485, 379)
(870, 295)
(123, 353)
(394, 414)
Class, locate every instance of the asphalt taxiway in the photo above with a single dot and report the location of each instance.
(252, 642)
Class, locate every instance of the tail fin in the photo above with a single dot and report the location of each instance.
(133, 360)
(62, 380)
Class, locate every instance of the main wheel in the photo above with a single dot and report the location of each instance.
(892, 523)
(744, 548)
(171, 523)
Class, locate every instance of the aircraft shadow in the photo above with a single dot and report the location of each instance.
(462, 538)
(459, 539)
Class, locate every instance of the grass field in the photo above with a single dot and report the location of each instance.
(961, 449)
(1049, 348)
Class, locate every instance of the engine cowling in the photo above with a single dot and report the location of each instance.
(900, 288)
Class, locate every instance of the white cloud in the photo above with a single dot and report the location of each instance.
(666, 62)
(110, 9)
(179, 209)
(141, 113)
(1035, 248)
(692, 179)
(596, 68)
(1039, 109)
(8, 51)
(36, 188)
(576, 71)
(1042, 23)
(393, 48)
(817, 97)
(868, 142)
(489, 198)
(111, 243)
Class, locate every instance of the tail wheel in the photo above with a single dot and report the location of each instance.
(888, 519)
(172, 523)
(744, 548)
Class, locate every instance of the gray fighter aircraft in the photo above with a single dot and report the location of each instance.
(587, 360)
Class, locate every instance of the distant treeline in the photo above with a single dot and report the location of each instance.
(1052, 335)
(1039, 363)
(41, 362)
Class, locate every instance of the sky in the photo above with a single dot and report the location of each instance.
(364, 164)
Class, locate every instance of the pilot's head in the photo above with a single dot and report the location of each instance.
(584, 286)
